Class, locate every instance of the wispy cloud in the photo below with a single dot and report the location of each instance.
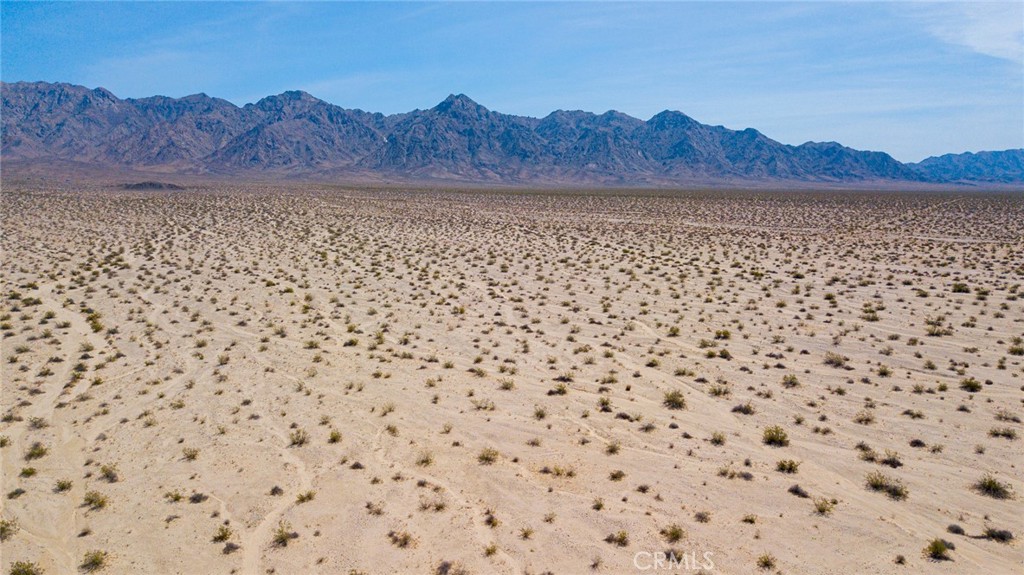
(991, 28)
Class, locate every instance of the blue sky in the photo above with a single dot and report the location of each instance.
(913, 79)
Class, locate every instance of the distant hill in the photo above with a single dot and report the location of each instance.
(296, 134)
(151, 186)
(1001, 167)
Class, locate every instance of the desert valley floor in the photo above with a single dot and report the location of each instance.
(315, 379)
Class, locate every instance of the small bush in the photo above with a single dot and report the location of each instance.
(787, 466)
(989, 485)
(95, 500)
(673, 533)
(488, 456)
(94, 561)
(8, 528)
(1004, 432)
(109, 472)
(970, 385)
(938, 549)
(283, 534)
(620, 538)
(894, 488)
(26, 568)
(36, 451)
(674, 400)
(1000, 535)
(823, 506)
(744, 408)
(223, 534)
(835, 360)
(864, 418)
(776, 436)
(298, 437)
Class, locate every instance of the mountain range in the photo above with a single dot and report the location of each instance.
(294, 134)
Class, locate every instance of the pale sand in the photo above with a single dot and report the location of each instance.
(224, 319)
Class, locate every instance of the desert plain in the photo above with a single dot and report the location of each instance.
(285, 378)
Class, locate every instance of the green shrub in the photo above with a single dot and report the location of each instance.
(94, 561)
(938, 549)
(992, 487)
(26, 568)
(488, 456)
(894, 488)
(787, 466)
(775, 435)
(674, 400)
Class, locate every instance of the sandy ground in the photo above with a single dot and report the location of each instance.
(313, 380)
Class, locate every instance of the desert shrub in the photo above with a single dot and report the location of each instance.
(894, 488)
(672, 533)
(835, 360)
(744, 408)
(223, 534)
(775, 435)
(109, 472)
(938, 549)
(620, 538)
(25, 568)
(36, 451)
(282, 534)
(1004, 432)
(95, 500)
(425, 459)
(970, 384)
(674, 400)
(823, 506)
(1000, 535)
(94, 561)
(488, 456)
(787, 466)
(298, 437)
(992, 487)
(800, 492)
(8, 528)
(864, 418)
(892, 459)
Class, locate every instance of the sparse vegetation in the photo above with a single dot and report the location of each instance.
(626, 362)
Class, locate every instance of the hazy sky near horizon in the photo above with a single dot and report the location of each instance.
(913, 79)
